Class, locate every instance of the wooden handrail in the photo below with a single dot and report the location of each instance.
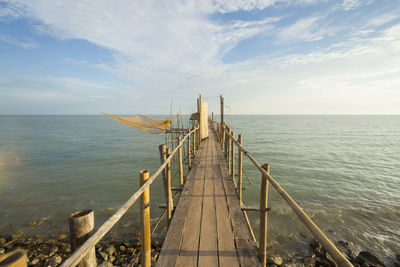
(337, 256)
(80, 253)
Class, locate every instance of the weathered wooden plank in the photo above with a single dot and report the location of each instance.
(188, 255)
(170, 250)
(246, 247)
(208, 248)
(226, 243)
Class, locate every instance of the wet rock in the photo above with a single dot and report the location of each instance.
(31, 223)
(3, 240)
(398, 257)
(105, 264)
(110, 250)
(309, 261)
(62, 237)
(2, 251)
(103, 255)
(54, 261)
(275, 260)
(294, 264)
(122, 248)
(53, 251)
(330, 260)
(315, 245)
(367, 257)
(34, 262)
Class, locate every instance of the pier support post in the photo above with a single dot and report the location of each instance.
(16, 258)
(233, 159)
(166, 180)
(240, 169)
(194, 143)
(263, 217)
(81, 225)
(228, 150)
(145, 223)
(189, 150)
(223, 137)
(170, 203)
(180, 161)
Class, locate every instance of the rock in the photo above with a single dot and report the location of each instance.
(104, 255)
(54, 261)
(330, 260)
(53, 251)
(110, 250)
(315, 245)
(309, 261)
(105, 264)
(294, 264)
(365, 256)
(275, 260)
(16, 235)
(62, 237)
(2, 251)
(2, 241)
(398, 257)
(34, 262)
(31, 223)
(122, 248)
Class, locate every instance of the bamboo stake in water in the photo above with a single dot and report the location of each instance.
(189, 151)
(81, 225)
(170, 203)
(180, 162)
(233, 160)
(145, 223)
(263, 217)
(240, 166)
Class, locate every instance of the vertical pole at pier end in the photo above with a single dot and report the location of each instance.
(81, 225)
(170, 203)
(233, 159)
(180, 161)
(189, 149)
(240, 166)
(166, 182)
(263, 217)
(145, 223)
(228, 151)
(15, 258)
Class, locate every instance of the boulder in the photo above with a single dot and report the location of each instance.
(275, 260)
(367, 257)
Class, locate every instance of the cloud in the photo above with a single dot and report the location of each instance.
(26, 43)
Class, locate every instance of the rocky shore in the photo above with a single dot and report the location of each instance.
(125, 251)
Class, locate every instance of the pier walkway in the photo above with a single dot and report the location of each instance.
(208, 227)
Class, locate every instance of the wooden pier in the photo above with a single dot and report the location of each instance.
(208, 227)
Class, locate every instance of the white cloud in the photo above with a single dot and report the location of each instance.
(351, 4)
(26, 43)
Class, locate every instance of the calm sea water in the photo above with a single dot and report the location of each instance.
(343, 170)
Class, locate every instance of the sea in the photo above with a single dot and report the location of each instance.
(343, 170)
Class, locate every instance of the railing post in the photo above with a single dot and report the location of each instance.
(189, 149)
(263, 217)
(81, 225)
(228, 151)
(194, 143)
(233, 159)
(145, 224)
(240, 166)
(223, 137)
(15, 258)
(170, 203)
(166, 180)
(180, 161)
(198, 138)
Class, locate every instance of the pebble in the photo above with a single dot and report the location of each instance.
(110, 250)
(2, 241)
(31, 223)
(275, 260)
(62, 237)
(54, 261)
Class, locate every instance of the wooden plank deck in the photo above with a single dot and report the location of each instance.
(208, 227)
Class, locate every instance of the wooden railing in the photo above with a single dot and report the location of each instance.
(85, 249)
(227, 141)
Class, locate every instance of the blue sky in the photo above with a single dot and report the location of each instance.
(264, 56)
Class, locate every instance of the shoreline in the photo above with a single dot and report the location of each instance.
(124, 250)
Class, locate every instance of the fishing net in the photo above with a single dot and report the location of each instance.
(143, 123)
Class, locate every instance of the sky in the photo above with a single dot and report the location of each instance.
(138, 57)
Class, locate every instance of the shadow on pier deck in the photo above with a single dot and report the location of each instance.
(208, 227)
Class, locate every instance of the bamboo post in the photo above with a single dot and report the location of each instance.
(200, 124)
(15, 258)
(228, 151)
(263, 217)
(233, 159)
(145, 216)
(198, 138)
(194, 143)
(166, 180)
(170, 203)
(240, 167)
(189, 153)
(223, 137)
(81, 225)
(180, 161)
